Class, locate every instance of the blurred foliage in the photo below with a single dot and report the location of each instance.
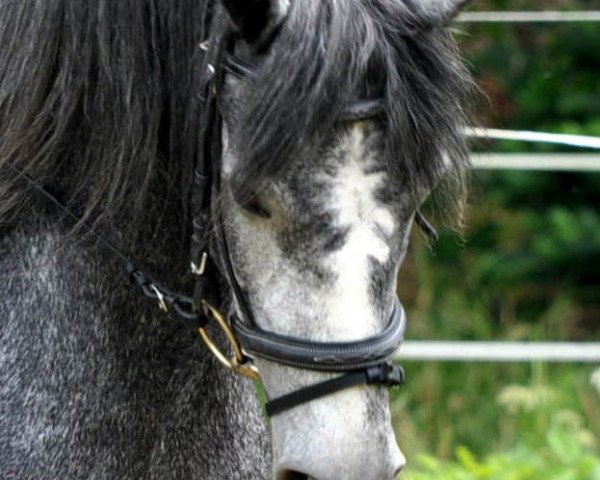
(526, 268)
(555, 445)
(536, 76)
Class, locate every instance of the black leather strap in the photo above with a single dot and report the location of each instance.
(180, 304)
(236, 66)
(323, 356)
(385, 374)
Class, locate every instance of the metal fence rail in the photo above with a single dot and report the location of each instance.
(581, 141)
(579, 162)
(500, 351)
(567, 162)
(529, 17)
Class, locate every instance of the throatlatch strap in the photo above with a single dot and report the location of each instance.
(386, 374)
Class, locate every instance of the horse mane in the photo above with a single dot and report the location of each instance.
(100, 100)
(97, 101)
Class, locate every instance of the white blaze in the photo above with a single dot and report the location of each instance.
(354, 193)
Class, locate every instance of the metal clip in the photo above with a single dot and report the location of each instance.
(201, 268)
(239, 363)
(160, 297)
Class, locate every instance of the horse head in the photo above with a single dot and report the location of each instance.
(317, 197)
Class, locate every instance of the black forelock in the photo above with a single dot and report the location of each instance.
(318, 63)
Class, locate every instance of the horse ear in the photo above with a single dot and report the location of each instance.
(256, 20)
(438, 12)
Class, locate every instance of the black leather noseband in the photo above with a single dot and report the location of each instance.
(329, 356)
(367, 361)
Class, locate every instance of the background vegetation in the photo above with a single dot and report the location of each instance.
(526, 269)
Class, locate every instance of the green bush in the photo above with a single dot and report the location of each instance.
(548, 442)
(564, 459)
(567, 454)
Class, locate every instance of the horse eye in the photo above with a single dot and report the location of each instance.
(253, 206)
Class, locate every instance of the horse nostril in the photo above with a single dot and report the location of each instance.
(292, 475)
(398, 471)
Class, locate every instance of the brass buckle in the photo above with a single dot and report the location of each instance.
(239, 362)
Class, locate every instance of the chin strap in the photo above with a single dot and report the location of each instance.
(386, 374)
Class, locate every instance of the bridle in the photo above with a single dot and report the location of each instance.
(362, 362)
(366, 361)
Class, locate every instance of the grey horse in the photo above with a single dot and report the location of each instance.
(101, 104)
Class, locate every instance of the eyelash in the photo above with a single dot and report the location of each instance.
(253, 206)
